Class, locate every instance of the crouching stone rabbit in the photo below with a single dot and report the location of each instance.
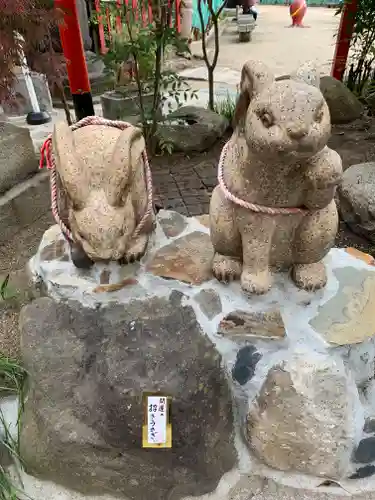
(103, 192)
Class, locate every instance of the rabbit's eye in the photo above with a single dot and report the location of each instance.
(319, 115)
(266, 118)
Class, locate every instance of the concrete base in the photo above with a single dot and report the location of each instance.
(233, 486)
(304, 316)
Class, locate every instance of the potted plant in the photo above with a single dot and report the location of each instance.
(130, 54)
(144, 85)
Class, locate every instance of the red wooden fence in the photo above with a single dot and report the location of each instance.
(105, 17)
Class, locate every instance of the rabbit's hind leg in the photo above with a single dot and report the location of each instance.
(257, 231)
(313, 240)
(226, 239)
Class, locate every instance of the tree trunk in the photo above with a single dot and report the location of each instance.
(211, 89)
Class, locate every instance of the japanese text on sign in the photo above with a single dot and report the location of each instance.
(156, 419)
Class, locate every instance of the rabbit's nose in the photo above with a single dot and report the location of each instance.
(297, 130)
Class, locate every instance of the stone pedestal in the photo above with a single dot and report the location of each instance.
(118, 105)
(269, 394)
(21, 105)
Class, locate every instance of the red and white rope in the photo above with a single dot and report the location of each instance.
(245, 204)
(46, 152)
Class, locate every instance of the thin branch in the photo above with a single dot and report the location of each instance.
(221, 9)
(136, 71)
(215, 18)
(205, 55)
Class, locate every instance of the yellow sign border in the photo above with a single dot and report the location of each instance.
(145, 443)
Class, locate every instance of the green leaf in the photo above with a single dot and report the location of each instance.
(3, 287)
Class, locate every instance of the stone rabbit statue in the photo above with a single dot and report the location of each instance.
(103, 194)
(278, 159)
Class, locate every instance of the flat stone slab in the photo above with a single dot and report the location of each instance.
(172, 223)
(209, 301)
(263, 324)
(187, 259)
(348, 317)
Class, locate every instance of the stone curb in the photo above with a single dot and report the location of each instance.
(23, 204)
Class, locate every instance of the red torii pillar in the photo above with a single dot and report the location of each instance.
(344, 37)
(72, 45)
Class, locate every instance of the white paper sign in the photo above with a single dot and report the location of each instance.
(156, 420)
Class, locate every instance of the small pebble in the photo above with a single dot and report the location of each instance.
(246, 361)
(365, 453)
(369, 426)
(366, 471)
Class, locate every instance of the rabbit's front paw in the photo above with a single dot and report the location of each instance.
(325, 184)
(136, 251)
(256, 283)
(226, 269)
(310, 277)
(323, 181)
(129, 258)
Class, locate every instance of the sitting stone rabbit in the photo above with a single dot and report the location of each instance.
(276, 158)
(103, 194)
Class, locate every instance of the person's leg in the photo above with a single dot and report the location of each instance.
(246, 9)
(254, 12)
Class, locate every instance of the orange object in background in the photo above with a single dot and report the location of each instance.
(297, 11)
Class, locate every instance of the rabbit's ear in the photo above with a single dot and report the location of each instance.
(68, 165)
(126, 155)
(307, 73)
(255, 77)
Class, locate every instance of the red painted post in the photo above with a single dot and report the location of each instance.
(149, 12)
(103, 48)
(72, 45)
(109, 24)
(344, 37)
(118, 17)
(135, 9)
(178, 15)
